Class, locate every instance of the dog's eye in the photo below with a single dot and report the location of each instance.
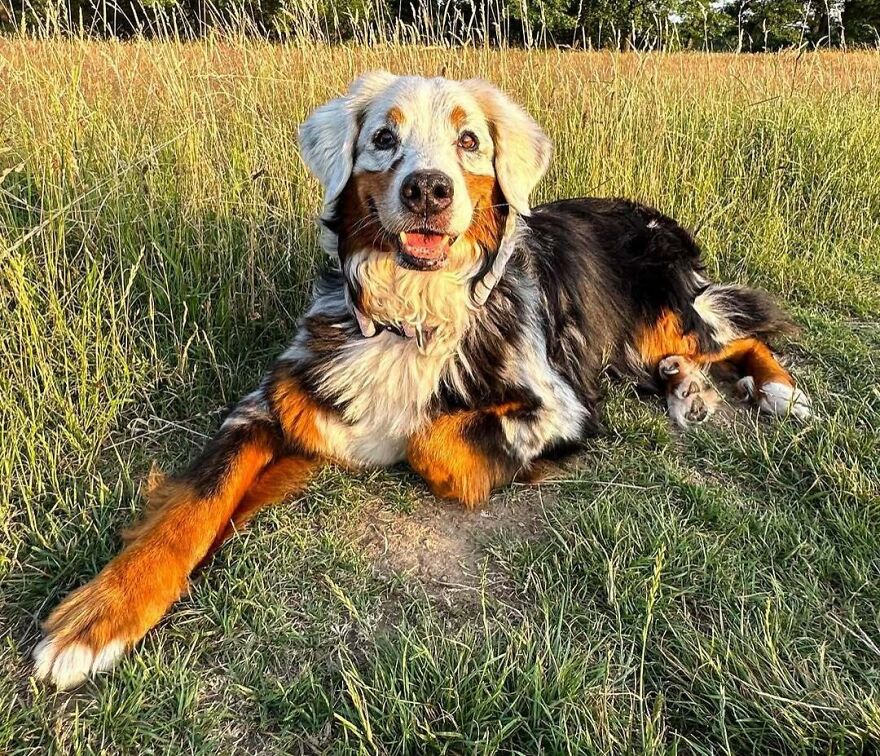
(385, 139)
(468, 141)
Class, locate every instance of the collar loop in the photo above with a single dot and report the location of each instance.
(483, 288)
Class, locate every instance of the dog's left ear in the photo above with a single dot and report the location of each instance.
(522, 149)
(328, 136)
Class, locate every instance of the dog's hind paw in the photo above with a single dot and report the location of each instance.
(776, 398)
(690, 397)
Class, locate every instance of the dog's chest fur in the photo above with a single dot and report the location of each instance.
(386, 388)
(383, 387)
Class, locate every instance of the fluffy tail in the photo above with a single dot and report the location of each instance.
(735, 312)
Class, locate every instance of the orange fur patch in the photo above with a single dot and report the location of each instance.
(458, 117)
(396, 116)
(279, 480)
(664, 338)
(452, 466)
(134, 590)
(487, 223)
(360, 228)
(297, 413)
(753, 358)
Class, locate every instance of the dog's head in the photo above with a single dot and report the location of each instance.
(423, 171)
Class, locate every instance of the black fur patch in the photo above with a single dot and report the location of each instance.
(753, 312)
(485, 434)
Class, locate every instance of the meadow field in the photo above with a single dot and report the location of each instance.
(715, 592)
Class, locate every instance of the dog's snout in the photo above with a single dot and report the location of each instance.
(426, 192)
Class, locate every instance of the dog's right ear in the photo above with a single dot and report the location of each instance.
(327, 138)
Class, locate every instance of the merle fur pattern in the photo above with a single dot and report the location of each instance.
(587, 273)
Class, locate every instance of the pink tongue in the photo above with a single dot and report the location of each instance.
(424, 245)
(429, 241)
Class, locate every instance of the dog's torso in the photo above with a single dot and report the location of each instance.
(563, 312)
(378, 392)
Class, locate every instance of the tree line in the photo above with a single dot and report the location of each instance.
(717, 25)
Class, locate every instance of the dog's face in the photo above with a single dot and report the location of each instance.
(423, 171)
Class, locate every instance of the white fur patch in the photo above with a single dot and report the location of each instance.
(107, 657)
(776, 398)
(781, 399)
(677, 409)
(386, 384)
(44, 655)
(71, 665)
(65, 668)
(708, 306)
(437, 300)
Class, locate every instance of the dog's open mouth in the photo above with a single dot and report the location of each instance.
(423, 250)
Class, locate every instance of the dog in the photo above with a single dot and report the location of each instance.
(459, 330)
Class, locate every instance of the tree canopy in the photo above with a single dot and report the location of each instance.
(719, 25)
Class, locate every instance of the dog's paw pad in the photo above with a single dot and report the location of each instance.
(676, 368)
(692, 403)
(697, 410)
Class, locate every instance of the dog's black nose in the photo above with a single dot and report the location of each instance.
(426, 192)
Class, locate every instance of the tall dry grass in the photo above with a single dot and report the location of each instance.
(155, 210)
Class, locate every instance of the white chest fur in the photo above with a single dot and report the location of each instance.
(385, 384)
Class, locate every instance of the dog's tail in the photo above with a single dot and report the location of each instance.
(731, 312)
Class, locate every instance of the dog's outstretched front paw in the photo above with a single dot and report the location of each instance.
(87, 633)
(68, 663)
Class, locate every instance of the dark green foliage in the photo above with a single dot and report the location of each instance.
(861, 20)
(741, 25)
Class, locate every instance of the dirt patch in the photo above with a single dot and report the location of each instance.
(443, 546)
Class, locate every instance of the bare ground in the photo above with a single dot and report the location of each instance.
(443, 546)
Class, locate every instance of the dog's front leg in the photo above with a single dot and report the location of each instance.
(249, 463)
(464, 455)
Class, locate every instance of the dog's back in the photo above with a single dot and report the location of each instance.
(625, 286)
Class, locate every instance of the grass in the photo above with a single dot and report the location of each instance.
(718, 592)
